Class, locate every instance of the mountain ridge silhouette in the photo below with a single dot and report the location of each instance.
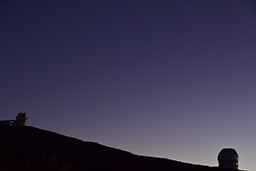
(29, 148)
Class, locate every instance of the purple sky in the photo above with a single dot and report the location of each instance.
(168, 78)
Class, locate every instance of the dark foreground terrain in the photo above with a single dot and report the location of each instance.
(29, 148)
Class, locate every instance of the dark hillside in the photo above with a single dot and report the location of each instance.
(29, 148)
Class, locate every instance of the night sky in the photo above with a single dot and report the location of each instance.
(163, 78)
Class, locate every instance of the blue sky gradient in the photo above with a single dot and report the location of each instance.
(173, 79)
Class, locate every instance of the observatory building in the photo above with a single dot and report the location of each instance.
(228, 158)
(21, 120)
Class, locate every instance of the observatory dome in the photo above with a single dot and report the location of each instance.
(228, 158)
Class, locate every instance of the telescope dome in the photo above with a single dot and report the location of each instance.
(228, 158)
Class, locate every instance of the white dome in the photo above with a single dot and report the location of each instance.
(228, 158)
(228, 154)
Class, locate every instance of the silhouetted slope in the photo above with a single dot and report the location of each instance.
(29, 148)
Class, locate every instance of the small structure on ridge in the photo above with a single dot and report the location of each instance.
(21, 120)
(228, 158)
